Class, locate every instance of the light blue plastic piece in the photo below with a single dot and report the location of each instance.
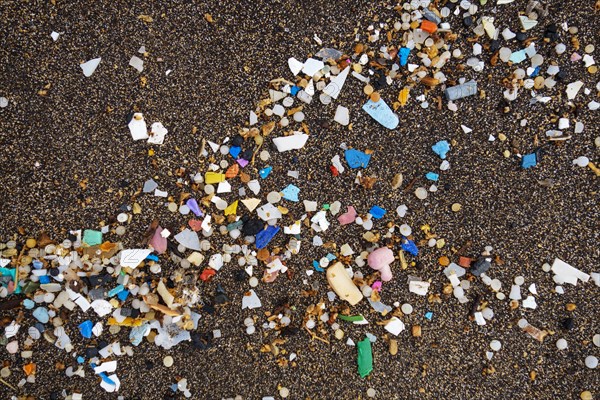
(382, 113)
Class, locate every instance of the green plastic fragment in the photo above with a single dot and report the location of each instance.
(92, 237)
(365, 357)
(325, 206)
(351, 318)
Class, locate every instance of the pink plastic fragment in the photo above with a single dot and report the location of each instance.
(376, 286)
(348, 217)
(158, 242)
(380, 260)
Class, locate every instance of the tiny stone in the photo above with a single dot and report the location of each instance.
(591, 362)
(421, 193)
(168, 361)
(495, 345)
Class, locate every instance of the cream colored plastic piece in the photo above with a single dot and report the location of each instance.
(342, 284)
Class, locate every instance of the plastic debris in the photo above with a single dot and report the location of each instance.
(340, 282)
(382, 113)
(365, 357)
(89, 67)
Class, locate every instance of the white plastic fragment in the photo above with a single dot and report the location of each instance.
(137, 127)
(131, 258)
(295, 65)
(90, 66)
(158, 133)
(189, 238)
(291, 142)
(564, 273)
(394, 326)
(573, 88)
(54, 35)
(312, 66)
(251, 300)
(418, 287)
(529, 302)
(137, 63)
(334, 87)
(342, 115)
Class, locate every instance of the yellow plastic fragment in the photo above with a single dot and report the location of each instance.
(213, 177)
(403, 96)
(232, 208)
(130, 322)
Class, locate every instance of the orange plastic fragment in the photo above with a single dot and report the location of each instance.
(207, 274)
(195, 224)
(232, 171)
(444, 261)
(428, 26)
(464, 262)
(29, 369)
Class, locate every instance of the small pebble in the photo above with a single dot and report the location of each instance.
(284, 392)
(168, 361)
(495, 345)
(421, 193)
(591, 362)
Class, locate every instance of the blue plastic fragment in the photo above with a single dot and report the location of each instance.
(28, 304)
(137, 334)
(37, 264)
(382, 113)
(356, 158)
(235, 151)
(44, 279)
(535, 72)
(122, 295)
(92, 237)
(529, 160)
(152, 257)
(294, 90)
(85, 328)
(265, 172)
(330, 257)
(404, 52)
(290, 192)
(106, 379)
(429, 315)
(80, 359)
(116, 290)
(317, 266)
(41, 314)
(411, 247)
(441, 148)
(174, 387)
(264, 237)
(377, 212)
(518, 56)
(432, 176)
